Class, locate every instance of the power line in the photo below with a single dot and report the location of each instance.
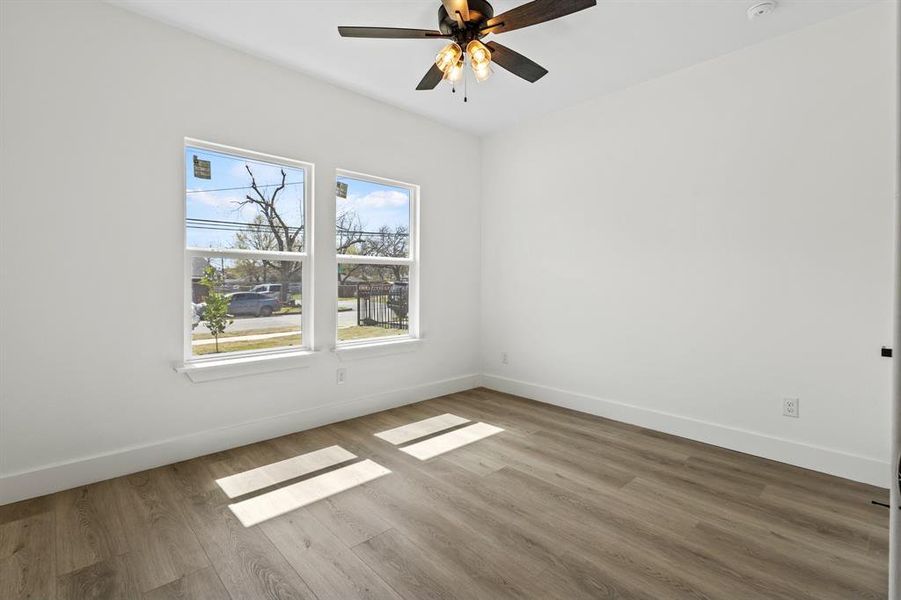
(210, 224)
(245, 187)
(234, 223)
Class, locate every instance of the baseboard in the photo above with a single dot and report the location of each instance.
(82, 471)
(65, 475)
(849, 466)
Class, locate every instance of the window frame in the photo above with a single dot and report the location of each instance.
(305, 258)
(412, 262)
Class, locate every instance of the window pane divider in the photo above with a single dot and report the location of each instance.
(357, 259)
(246, 254)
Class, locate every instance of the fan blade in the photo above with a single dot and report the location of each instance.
(516, 63)
(454, 6)
(389, 33)
(431, 79)
(533, 13)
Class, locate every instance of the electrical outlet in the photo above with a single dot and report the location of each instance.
(504, 359)
(791, 407)
(341, 375)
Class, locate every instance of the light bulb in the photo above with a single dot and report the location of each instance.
(482, 72)
(479, 54)
(455, 72)
(448, 57)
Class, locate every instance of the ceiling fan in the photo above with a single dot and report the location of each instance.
(466, 22)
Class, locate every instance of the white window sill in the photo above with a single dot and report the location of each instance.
(211, 370)
(373, 349)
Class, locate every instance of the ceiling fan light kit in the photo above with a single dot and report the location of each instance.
(466, 22)
(449, 56)
(455, 72)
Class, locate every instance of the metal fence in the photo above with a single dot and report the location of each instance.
(382, 305)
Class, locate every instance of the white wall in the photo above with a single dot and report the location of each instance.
(95, 105)
(686, 253)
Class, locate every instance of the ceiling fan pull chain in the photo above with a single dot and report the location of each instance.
(465, 87)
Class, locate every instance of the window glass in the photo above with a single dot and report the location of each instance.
(373, 219)
(245, 231)
(244, 321)
(235, 202)
(373, 301)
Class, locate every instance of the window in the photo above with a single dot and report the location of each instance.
(377, 246)
(247, 252)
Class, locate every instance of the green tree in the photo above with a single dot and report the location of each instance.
(215, 313)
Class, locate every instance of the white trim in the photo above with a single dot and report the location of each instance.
(412, 261)
(245, 254)
(374, 179)
(826, 460)
(414, 319)
(376, 347)
(227, 366)
(305, 258)
(360, 259)
(251, 154)
(59, 476)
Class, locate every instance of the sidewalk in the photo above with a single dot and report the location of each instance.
(245, 338)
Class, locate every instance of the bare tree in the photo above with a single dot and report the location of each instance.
(349, 234)
(353, 239)
(349, 231)
(391, 242)
(256, 236)
(271, 232)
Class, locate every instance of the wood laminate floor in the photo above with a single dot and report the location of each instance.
(559, 505)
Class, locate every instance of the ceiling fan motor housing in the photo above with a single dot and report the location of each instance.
(479, 13)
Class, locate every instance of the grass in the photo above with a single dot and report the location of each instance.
(345, 334)
(280, 342)
(362, 332)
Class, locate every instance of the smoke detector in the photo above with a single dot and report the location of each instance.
(761, 9)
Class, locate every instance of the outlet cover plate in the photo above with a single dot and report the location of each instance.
(791, 407)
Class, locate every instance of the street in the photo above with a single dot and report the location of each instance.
(347, 318)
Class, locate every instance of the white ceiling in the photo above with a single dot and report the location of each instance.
(611, 46)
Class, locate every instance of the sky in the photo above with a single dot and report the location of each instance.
(376, 204)
(217, 198)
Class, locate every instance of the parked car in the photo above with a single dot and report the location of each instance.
(252, 303)
(398, 298)
(270, 289)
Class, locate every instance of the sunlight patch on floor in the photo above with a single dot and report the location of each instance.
(246, 482)
(412, 431)
(451, 440)
(283, 500)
